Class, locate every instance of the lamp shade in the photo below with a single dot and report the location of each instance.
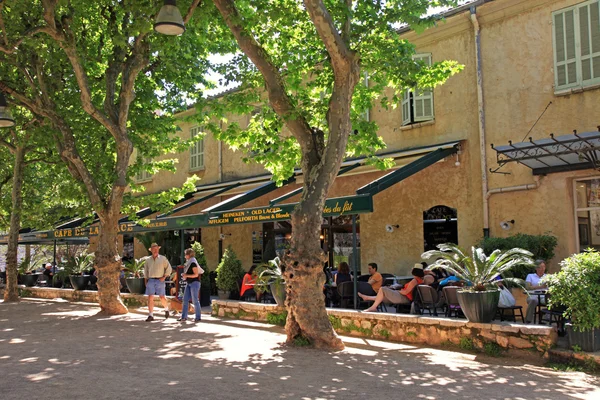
(6, 118)
(169, 20)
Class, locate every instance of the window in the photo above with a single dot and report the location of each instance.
(576, 36)
(196, 151)
(587, 213)
(144, 176)
(417, 104)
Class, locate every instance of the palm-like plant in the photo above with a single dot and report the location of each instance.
(478, 269)
(78, 265)
(271, 273)
(28, 265)
(135, 267)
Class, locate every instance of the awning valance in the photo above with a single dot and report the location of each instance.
(554, 154)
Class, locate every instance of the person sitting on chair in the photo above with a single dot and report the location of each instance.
(48, 274)
(389, 295)
(343, 274)
(376, 280)
(532, 282)
(248, 283)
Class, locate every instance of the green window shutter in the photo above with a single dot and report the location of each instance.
(565, 54)
(406, 107)
(589, 34)
(423, 99)
(200, 153)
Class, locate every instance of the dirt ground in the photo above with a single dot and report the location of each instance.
(60, 350)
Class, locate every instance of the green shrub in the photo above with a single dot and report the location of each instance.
(541, 246)
(229, 271)
(301, 341)
(277, 319)
(135, 267)
(492, 349)
(577, 288)
(466, 343)
(201, 258)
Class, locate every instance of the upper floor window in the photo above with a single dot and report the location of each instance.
(417, 104)
(144, 176)
(576, 36)
(197, 150)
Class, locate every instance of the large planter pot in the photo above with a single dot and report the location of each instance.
(29, 280)
(79, 282)
(278, 292)
(586, 340)
(479, 306)
(204, 296)
(136, 285)
(224, 294)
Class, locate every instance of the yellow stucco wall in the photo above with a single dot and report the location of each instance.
(518, 79)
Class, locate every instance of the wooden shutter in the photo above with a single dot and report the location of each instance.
(589, 39)
(193, 160)
(423, 99)
(406, 107)
(565, 54)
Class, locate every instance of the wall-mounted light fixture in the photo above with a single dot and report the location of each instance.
(169, 20)
(390, 228)
(507, 225)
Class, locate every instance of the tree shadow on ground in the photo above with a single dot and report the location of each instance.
(50, 350)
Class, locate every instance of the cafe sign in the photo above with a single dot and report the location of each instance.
(349, 205)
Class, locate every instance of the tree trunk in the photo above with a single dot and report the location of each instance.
(305, 301)
(11, 294)
(108, 263)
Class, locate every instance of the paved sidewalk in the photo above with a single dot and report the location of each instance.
(60, 350)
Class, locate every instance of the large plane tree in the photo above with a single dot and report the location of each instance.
(301, 67)
(98, 75)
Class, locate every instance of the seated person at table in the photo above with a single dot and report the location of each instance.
(248, 283)
(343, 274)
(532, 282)
(389, 295)
(48, 274)
(376, 280)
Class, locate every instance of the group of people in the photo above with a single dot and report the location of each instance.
(438, 278)
(157, 269)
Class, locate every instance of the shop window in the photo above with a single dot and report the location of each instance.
(440, 225)
(576, 38)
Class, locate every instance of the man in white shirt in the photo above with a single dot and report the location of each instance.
(532, 282)
(156, 270)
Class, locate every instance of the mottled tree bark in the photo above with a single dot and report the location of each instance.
(11, 294)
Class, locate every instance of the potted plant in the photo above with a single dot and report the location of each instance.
(76, 267)
(229, 272)
(576, 288)
(135, 275)
(270, 275)
(205, 278)
(479, 300)
(26, 270)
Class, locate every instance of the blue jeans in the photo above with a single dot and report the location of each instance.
(191, 290)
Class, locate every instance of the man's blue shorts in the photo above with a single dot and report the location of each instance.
(155, 287)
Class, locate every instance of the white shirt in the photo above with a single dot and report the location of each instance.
(534, 279)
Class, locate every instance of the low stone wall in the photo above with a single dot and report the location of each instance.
(496, 337)
(88, 296)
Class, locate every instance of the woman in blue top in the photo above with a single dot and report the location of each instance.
(343, 274)
(191, 274)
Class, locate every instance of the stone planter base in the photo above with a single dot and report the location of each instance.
(586, 341)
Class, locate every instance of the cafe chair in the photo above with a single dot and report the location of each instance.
(429, 299)
(452, 305)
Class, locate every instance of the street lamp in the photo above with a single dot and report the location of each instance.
(169, 20)
(6, 118)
